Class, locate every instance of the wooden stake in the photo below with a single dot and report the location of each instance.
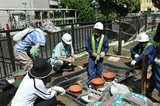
(144, 74)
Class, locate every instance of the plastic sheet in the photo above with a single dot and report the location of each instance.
(130, 99)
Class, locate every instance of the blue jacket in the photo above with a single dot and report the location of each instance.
(30, 40)
(150, 50)
(104, 48)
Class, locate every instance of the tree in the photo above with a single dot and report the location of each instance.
(85, 11)
(113, 8)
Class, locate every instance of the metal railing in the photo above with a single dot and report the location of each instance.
(116, 29)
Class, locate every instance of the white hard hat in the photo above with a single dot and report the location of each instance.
(98, 25)
(67, 38)
(143, 37)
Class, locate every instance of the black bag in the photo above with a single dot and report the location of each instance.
(4, 85)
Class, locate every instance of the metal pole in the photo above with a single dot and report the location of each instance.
(137, 25)
(41, 17)
(64, 17)
(119, 38)
(3, 61)
(106, 26)
(26, 18)
(145, 22)
(10, 18)
(153, 20)
(48, 15)
(75, 16)
(73, 39)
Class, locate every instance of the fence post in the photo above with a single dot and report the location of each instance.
(41, 17)
(11, 50)
(73, 37)
(144, 74)
(119, 38)
(145, 16)
(153, 21)
(3, 62)
(137, 20)
(105, 27)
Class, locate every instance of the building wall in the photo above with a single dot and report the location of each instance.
(27, 3)
(145, 4)
(4, 16)
(15, 4)
(41, 3)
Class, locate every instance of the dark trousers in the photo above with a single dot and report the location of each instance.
(94, 70)
(50, 102)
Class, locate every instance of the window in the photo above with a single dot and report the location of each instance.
(148, 1)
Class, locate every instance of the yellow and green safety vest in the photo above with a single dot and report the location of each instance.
(99, 46)
(139, 52)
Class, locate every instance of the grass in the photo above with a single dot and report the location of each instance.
(83, 56)
(114, 51)
(129, 46)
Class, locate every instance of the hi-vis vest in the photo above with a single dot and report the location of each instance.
(99, 46)
(139, 52)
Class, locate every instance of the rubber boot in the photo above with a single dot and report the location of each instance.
(149, 91)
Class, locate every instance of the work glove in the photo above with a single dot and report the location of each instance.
(60, 90)
(149, 68)
(97, 59)
(157, 61)
(135, 56)
(133, 63)
(102, 54)
(34, 52)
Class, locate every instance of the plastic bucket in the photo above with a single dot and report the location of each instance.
(18, 76)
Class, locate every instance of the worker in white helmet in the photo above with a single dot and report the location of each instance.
(63, 53)
(142, 47)
(97, 46)
(154, 81)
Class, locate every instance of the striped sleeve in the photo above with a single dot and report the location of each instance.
(38, 38)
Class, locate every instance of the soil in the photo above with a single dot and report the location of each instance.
(134, 83)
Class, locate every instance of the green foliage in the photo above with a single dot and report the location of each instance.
(108, 8)
(61, 22)
(112, 8)
(85, 11)
(100, 16)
